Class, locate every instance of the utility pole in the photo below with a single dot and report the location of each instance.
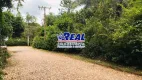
(44, 8)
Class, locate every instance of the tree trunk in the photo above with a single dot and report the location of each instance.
(28, 40)
(1, 18)
(0, 27)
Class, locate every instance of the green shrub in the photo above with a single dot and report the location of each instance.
(50, 43)
(65, 23)
(39, 42)
(109, 36)
(122, 45)
(3, 56)
(3, 60)
(16, 42)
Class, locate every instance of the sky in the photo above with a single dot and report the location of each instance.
(31, 7)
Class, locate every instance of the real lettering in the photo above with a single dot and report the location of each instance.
(66, 35)
(78, 37)
(72, 37)
(83, 37)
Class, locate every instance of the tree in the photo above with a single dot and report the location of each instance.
(3, 24)
(68, 5)
(30, 27)
(89, 3)
(13, 24)
(50, 19)
(18, 27)
(113, 29)
(7, 24)
(65, 22)
(3, 3)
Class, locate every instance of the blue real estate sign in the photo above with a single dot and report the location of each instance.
(71, 40)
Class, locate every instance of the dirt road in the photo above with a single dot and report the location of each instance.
(27, 63)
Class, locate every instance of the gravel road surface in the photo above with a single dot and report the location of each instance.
(27, 63)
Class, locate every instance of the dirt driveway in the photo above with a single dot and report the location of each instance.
(27, 63)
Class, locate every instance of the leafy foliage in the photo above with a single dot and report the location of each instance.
(50, 42)
(5, 3)
(3, 60)
(112, 28)
(50, 19)
(16, 42)
(65, 23)
(68, 5)
(6, 29)
(18, 27)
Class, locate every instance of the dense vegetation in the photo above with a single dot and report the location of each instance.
(112, 28)
(18, 28)
(3, 60)
(16, 42)
(8, 24)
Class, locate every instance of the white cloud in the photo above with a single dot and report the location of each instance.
(31, 6)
